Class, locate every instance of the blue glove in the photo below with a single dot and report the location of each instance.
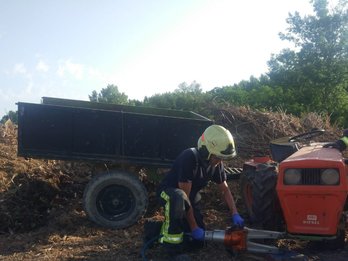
(198, 234)
(238, 220)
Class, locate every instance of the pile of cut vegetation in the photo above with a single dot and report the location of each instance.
(253, 130)
(34, 193)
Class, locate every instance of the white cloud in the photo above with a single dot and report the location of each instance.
(20, 71)
(19, 68)
(42, 66)
(67, 67)
(96, 74)
(29, 86)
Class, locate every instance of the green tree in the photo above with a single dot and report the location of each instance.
(110, 94)
(186, 97)
(246, 93)
(314, 73)
(11, 115)
(194, 87)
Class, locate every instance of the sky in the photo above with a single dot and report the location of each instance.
(67, 49)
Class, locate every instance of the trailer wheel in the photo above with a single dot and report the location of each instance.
(115, 200)
(246, 188)
(265, 206)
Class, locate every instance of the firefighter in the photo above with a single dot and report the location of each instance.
(179, 190)
(341, 144)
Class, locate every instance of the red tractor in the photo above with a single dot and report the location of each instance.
(302, 190)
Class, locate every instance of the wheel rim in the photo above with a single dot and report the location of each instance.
(115, 202)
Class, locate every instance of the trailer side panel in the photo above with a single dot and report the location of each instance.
(63, 132)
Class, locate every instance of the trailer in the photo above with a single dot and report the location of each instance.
(123, 135)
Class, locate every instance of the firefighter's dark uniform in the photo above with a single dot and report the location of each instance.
(341, 144)
(188, 167)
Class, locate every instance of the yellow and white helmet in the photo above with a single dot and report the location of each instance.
(218, 141)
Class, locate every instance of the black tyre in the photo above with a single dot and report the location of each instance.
(338, 242)
(115, 200)
(246, 188)
(265, 206)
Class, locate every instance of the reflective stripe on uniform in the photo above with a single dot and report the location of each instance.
(168, 238)
(345, 140)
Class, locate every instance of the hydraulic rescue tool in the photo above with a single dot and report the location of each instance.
(240, 240)
(237, 240)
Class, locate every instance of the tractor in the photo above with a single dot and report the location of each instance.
(300, 189)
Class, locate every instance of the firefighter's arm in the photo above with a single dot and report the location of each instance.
(236, 218)
(227, 195)
(186, 187)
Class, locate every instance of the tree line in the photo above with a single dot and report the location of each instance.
(312, 76)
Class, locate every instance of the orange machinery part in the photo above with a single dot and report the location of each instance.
(236, 240)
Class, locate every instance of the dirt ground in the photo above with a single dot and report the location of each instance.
(41, 214)
(71, 236)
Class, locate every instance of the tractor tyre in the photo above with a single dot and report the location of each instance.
(246, 189)
(265, 205)
(115, 200)
(338, 242)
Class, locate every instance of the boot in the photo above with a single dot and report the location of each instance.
(191, 244)
(181, 257)
(152, 230)
(175, 252)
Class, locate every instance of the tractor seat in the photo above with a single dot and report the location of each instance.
(281, 148)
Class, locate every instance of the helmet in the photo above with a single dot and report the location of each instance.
(218, 141)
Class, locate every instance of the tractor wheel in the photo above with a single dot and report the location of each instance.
(338, 242)
(246, 188)
(115, 200)
(265, 205)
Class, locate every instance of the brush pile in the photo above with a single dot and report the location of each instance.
(35, 193)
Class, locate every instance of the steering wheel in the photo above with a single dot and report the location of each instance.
(307, 135)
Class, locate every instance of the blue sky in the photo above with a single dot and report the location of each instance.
(69, 48)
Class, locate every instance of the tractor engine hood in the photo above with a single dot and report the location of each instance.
(312, 190)
(314, 152)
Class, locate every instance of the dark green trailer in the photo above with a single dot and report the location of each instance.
(129, 135)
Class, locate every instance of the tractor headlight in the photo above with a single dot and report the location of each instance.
(330, 177)
(292, 176)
